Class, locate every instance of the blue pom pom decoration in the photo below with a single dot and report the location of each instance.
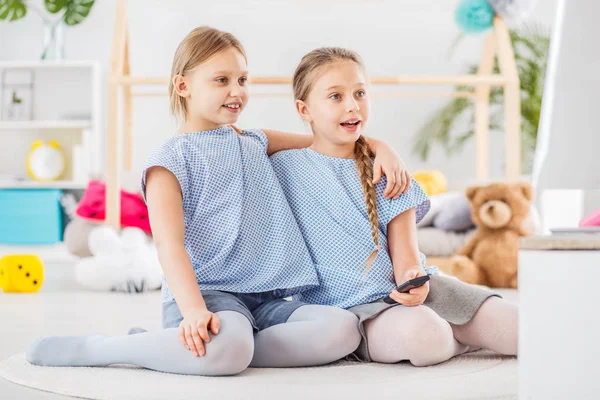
(474, 16)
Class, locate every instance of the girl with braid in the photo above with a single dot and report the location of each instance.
(364, 245)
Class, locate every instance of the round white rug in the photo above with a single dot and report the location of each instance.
(479, 375)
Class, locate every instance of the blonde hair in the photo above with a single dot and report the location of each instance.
(304, 78)
(198, 46)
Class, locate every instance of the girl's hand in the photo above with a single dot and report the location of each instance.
(193, 330)
(416, 296)
(389, 163)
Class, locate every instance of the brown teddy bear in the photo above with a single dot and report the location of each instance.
(490, 257)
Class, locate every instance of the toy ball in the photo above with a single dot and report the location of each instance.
(432, 182)
(474, 16)
(21, 273)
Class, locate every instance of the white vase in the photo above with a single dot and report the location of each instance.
(15, 112)
(53, 40)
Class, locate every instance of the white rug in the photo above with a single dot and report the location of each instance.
(479, 375)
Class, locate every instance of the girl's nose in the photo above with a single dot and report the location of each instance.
(353, 106)
(236, 90)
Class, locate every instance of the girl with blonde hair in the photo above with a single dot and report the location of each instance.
(364, 245)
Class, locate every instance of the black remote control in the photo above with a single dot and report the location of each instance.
(406, 286)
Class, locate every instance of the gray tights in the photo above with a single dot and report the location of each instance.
(313, 335)
(421, 336)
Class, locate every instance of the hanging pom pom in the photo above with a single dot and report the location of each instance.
(513, 10)
(474, 16)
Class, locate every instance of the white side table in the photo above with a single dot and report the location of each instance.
(559, 317)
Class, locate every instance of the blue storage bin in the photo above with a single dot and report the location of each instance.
(30, 216)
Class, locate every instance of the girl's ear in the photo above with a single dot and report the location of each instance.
(180, 85)
(302, 109)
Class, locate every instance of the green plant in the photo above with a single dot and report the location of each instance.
(73, 11)
(15, 99)
(452, 125)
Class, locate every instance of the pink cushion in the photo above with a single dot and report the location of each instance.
(591, 220)
(134, 212)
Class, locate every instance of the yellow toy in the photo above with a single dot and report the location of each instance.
(45, 161)
(21, 273)
(433, 182)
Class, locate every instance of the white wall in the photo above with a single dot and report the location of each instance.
(407, 37)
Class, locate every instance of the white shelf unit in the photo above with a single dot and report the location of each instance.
(31, 184)
(61, 89)
(48, 124)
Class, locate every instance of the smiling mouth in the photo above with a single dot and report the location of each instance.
(351, 125)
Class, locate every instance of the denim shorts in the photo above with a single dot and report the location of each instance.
(262, 309)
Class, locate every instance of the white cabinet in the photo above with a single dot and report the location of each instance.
(559, 325)
(66, 108)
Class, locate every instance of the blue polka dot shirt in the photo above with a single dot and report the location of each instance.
(326, 197)
(240, 233)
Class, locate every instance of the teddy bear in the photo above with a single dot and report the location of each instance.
(490, 256)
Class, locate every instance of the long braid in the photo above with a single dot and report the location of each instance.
(304, 78)
(364, 163)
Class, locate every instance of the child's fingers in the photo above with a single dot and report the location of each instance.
(376, 172)
(202, 327)
(408, 182)
(403, 185)
(397, 187)
(391, 182)
(406, 299)
(198, 342)
(420, 290)
(215, 324)
(403, 298)
(182, 337)
(400, 185)
(190, 340)
(394, 296)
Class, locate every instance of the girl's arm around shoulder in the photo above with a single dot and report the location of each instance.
(279, 141)
(387, 161)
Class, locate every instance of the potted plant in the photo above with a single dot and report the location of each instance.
(15, 108)
(69, 12)
(452, 125)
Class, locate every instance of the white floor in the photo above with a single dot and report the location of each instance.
(62, 308)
